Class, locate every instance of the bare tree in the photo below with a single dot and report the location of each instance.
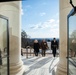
(23, 34)
(25, 39)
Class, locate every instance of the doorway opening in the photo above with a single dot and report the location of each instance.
(40, 21)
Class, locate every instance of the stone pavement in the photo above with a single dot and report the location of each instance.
(40, 65)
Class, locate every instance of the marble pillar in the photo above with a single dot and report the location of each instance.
(12, 10)
(65, 8)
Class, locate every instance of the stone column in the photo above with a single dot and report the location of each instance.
(65, 8)
(12, 10)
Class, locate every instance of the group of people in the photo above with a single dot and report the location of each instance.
(43, 46)
(37, 46)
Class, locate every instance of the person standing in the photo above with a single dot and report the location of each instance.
(36, 47)
(54, 46)
(21, 52)
(44, 46)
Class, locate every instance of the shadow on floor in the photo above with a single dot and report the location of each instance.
(38, 64)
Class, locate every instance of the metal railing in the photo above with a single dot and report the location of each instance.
(29, 51)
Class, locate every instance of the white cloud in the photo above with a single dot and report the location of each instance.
(36, 26)
(22, 13)
(42, 14)
(48, 24)
(50, 28)
(57, 21)
(51, 20)
(44, 34)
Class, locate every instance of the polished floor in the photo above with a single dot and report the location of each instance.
(40, 65)
(72, 66)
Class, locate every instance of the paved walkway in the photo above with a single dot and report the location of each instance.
(40, 65)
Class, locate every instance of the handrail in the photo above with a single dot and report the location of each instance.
(30, 51)
(27, 51)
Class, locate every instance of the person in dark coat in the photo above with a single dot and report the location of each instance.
(44, 46)
(36, 47)
(54, 46)
(0, 58)
(21, 52)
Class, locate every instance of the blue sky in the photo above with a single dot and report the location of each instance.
(40, 18)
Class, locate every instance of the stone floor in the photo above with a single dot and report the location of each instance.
(40, 65)
(72, 66)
